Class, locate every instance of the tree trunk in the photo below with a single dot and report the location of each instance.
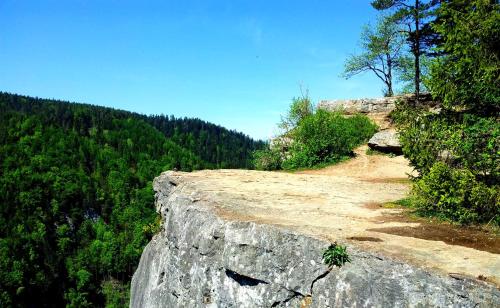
(389, 76)
(417, 50)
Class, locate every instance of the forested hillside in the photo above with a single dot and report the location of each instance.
(216, 145)
(76, 202)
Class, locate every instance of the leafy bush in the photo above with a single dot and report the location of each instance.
(300, 108)
(456, 155)
(336, 255)
(322, 137)
(469, 141)
(267, 159)
(456, 194)
(327, 137)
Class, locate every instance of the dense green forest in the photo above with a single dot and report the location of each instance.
(76, 202)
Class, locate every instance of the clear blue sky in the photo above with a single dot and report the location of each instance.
(234, 63)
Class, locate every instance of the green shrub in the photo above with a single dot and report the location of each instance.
(466, 76)
(313, 138)
(327, 137)
(456, 155)
(421, 134)
(267, 159)
(457, 195)
(336, 255)
(300, 108)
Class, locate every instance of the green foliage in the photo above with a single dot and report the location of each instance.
(406, 75)
(76, 201)
(268, 159)
(300, 108)
(457, 151)
(467, 77)
(461, 139)
(116, 293)
(313, 139)
(415, 18)
(457, 157)
(382, 54)
(327, 137)
(457, 194)
(336, 255)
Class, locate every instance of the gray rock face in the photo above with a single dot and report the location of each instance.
(363, 105)
(386, 141)
(202, 260)
(376, 105)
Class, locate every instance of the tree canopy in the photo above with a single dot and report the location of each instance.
(467, 76)
(415, 16)
(382, 54)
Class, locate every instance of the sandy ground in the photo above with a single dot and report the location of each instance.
(342, 203)
(372, 168)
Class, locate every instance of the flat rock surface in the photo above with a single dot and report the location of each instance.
(342, 203)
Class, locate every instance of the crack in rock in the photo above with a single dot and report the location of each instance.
(295, 294)
(319, 277)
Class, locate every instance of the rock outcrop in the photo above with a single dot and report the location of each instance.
(374, 105)
(377, 109)
(362, 105)
(216, 250)
(386, 141)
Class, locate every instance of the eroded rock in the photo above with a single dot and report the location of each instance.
(203, 258)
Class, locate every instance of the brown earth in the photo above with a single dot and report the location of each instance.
(343, 203)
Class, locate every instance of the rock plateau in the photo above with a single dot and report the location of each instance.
(234, 238)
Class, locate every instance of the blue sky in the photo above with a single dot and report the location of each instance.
(234, 63)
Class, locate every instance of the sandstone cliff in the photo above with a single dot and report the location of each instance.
(255, 239)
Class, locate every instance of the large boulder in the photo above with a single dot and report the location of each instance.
(386, 141)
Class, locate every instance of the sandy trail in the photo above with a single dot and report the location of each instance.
(341, 203)
(375, 168)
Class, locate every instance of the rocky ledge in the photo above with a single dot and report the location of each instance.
(362, 105)
(243, 239)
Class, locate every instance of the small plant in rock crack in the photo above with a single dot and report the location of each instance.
(336, 255)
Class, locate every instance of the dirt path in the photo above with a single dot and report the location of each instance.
(342, 203)
(373, 168)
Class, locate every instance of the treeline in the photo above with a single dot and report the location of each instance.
(216, 145)
(76, 202)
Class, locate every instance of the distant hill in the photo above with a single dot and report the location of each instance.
(216, 145)
(76, 202)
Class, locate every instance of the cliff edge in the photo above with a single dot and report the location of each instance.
(236, 238)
